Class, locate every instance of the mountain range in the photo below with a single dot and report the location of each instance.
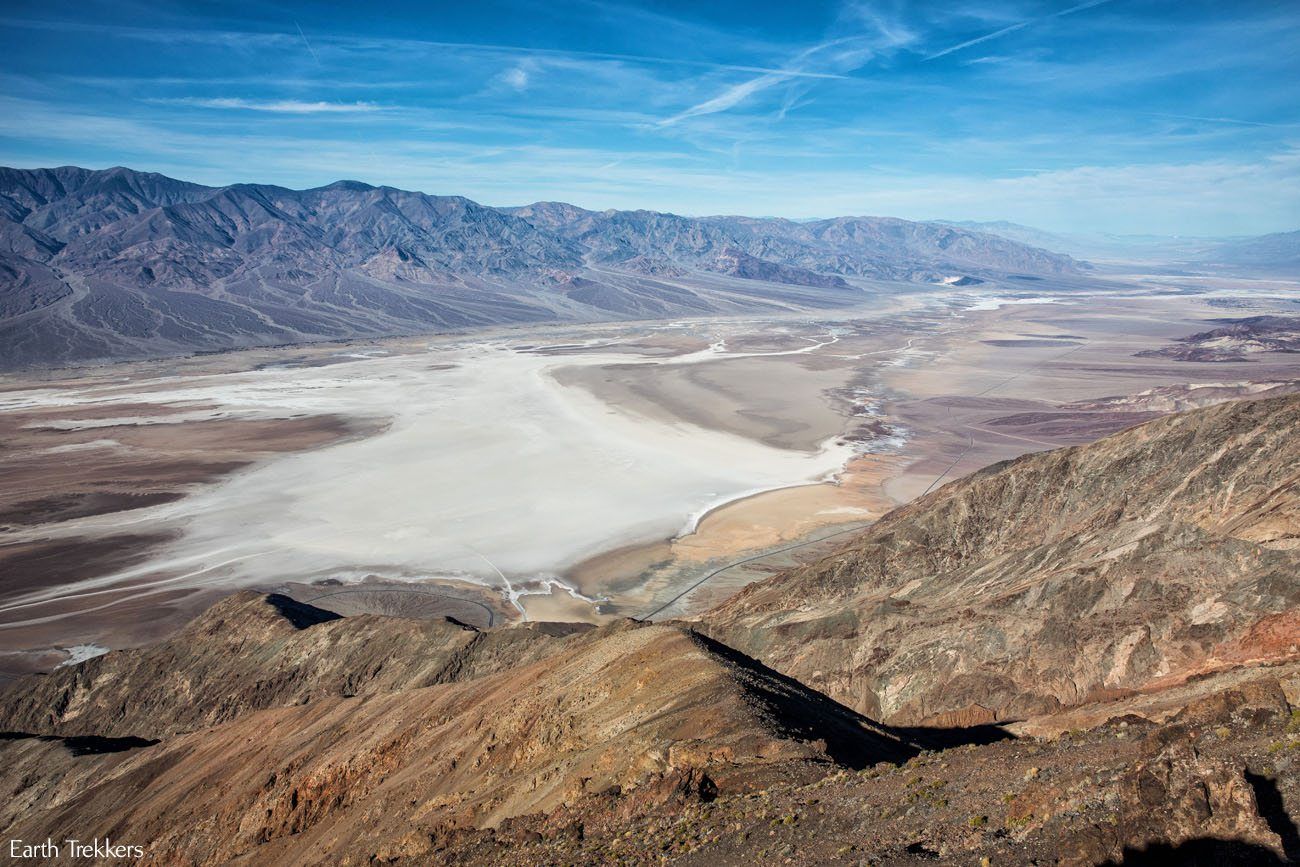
(1082, 656)
(126, 264)
(1276, 253)
(1280, 249)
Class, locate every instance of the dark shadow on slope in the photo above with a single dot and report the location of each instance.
(299, 614)
(851, 739)
(94, 745)
(1202, 852)
(1273, 811)
(802, 713)
(921, 851)
(84, 745)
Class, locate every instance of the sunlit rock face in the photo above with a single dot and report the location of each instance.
(1150, 556)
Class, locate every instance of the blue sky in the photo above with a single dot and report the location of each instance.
(1177, 117)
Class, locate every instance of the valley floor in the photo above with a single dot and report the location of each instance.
(559, 473)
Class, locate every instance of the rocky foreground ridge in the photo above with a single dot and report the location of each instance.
(1146, 558)
(1083, 656)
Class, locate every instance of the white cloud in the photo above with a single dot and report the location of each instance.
(729, 98)
(516, 78)
(279, 106)
(832, 58)
(519, 76)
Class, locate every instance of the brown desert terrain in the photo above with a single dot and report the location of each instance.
(1082, 656)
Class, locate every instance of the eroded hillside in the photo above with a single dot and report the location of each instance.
(1084, 656)
(1143, 559)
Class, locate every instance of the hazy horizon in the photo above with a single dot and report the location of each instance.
(987, 225)
(1079, 117)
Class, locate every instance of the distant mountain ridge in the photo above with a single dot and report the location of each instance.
(119, 263)
(1279, 251)
(877, 247)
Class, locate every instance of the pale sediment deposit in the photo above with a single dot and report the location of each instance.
(486, 469)
(563, 473)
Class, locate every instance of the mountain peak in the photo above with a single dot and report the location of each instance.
(348, 186)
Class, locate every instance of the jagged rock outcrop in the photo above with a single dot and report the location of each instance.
(1176, 798)
(1139, 560)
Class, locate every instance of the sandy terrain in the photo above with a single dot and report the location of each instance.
(781, 403)
(967, 401)
(569, 473)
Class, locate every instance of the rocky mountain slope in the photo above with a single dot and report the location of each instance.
(119, 263)
(251, 652)
(1084, 656)
(1145, 558)
(880, 247)
(652, 709)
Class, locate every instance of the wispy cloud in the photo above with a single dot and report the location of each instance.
(277, 106)
(1012, 28)
(831, 58)
(1228, 120)
(245, 39)
(516, 78)
(729, 98)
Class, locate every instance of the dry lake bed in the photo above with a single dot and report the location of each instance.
(643, 469)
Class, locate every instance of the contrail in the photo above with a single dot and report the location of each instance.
(1014, 27)
(307, 43)
(985, 38)
(1224, 120)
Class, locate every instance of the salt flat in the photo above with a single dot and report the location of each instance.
(488, 470)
